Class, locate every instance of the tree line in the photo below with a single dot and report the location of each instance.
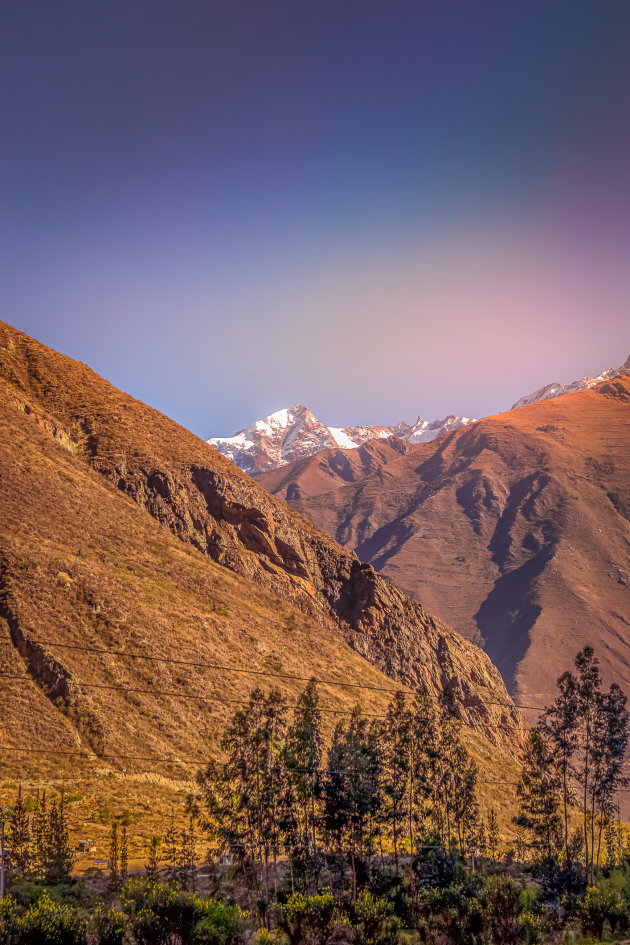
(37, 839)
(574, 762)
(382, 785)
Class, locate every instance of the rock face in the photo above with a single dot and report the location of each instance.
(295, 433)
(202, 499)
(516, 528)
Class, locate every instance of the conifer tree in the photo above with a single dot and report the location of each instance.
(123, 856)
(520, 844)
(153, 860)
(482, 840)
(40, 836)
(395, 749)
(539, 792)
(19, 837)
(171, 850)
(59, 854)
(114, 858)
(493, 834)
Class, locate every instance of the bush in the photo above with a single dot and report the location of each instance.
(374, 921)
(605, 903)
(308, 920)
(109, 925)
(49, 923)
(159, 912)
(8, 920)
(221, 925)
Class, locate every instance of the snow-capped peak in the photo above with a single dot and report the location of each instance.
(556, 389)
(294, 433)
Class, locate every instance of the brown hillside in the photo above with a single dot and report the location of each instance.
(516, 529)
(330, 469)
(121, 530)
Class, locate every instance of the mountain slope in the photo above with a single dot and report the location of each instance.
(295, 433)
(516, 529)
(115, 524)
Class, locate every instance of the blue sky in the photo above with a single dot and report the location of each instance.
(375, 209)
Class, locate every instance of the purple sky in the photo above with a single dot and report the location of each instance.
(377, 210)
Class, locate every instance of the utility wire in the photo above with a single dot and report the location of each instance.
(179, 695)
(224, 667)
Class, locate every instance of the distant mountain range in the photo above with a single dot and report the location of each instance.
(295, 433)
(516, 528)
(556, 389)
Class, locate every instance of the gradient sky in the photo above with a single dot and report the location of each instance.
(377, 209)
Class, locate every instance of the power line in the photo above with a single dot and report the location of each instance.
(469, 703)
(181, 695)
(224, 667)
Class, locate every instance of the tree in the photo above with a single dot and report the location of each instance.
(302, 760)
(19, 837)
(59, 855)
(40, 835)
(352, 789)
(242, 799)
(114, 858)
(559, 725)
(588, 698)
(395, 747)
(588, 729)
(539, 793)
(124, 855)
(424, 752)
(153, 860)
(171, 849)
(493, 834)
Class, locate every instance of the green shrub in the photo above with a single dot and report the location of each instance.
(8, 920)
(605, 903)
(109, 925)
(374, 921)
(308, 920)
(50, 923)
(159, 912)
(221, 924)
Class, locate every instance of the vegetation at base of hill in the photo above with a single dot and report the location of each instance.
(375, 839)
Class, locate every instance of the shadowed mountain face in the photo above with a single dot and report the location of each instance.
(516, 529)
(121, 530)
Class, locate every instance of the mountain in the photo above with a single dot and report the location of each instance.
(556, 389)
(295, 433)
(146, 584)
(516, 529)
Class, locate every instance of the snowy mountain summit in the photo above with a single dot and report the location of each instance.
(556, 389)
(295, 433)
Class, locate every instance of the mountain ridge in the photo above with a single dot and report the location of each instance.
(294, 433)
